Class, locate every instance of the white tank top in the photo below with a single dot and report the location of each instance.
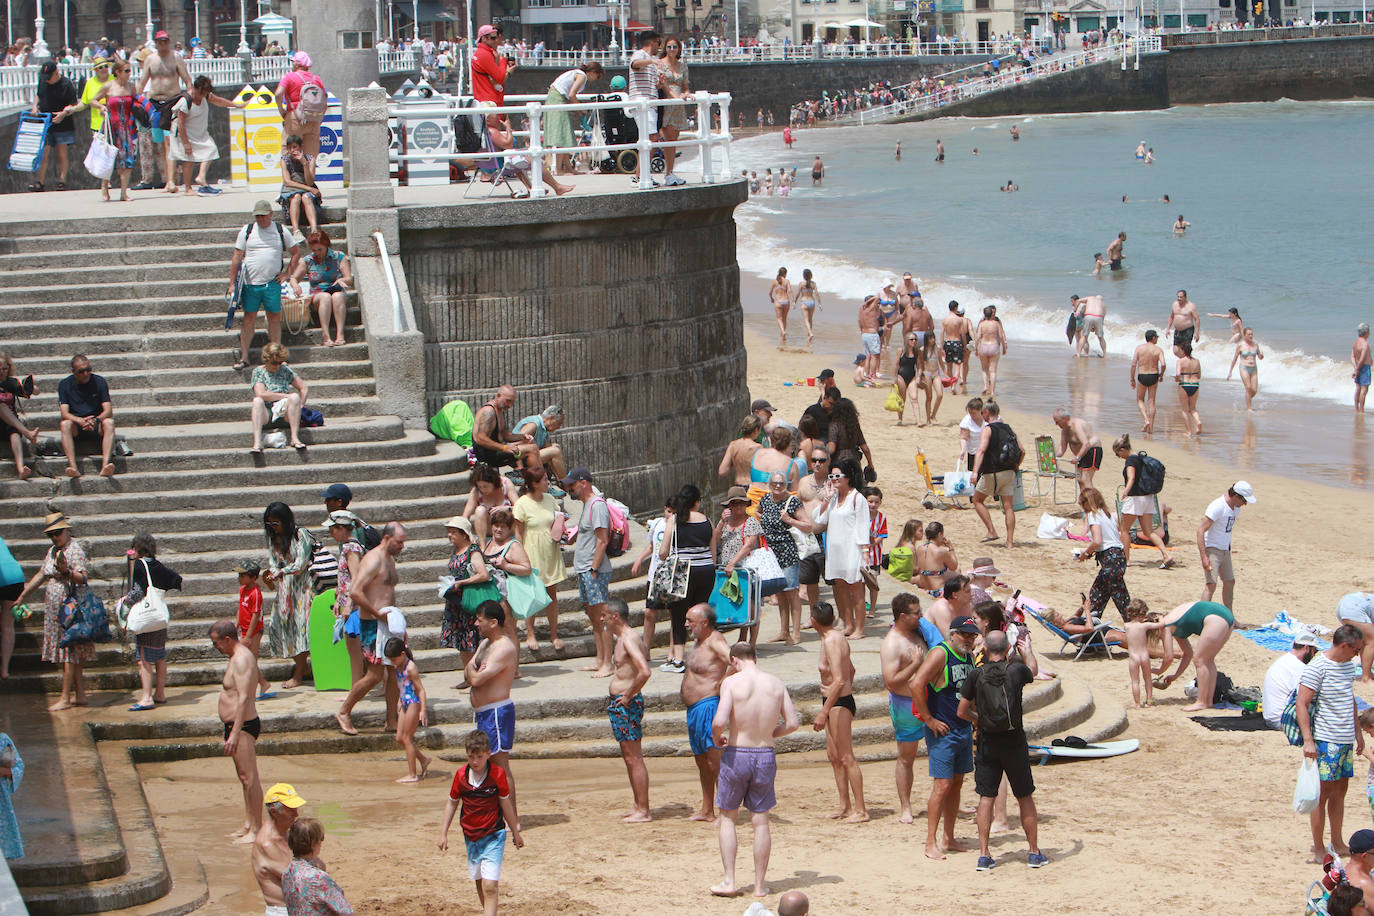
(564, 83)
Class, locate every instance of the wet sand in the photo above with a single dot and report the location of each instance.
(1195, 821)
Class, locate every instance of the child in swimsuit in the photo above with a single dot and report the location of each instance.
(413, 705)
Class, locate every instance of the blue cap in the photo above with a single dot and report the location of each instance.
(338, 491)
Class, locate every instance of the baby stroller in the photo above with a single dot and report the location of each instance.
(612, 126)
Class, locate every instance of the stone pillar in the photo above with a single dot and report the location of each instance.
(371, 200)
(320, 28)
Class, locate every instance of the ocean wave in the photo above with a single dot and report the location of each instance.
(849, 279)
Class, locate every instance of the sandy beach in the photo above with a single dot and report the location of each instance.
(1193, 822)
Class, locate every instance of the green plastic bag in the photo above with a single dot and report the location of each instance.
(453, 421)
(901, 563)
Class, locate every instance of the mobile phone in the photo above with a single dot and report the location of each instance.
(1016, 594)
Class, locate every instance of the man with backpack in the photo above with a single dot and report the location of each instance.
(302, 100)
(991, 699)
(259, 249)
(591, 561)
(994, 470)
(336, 498)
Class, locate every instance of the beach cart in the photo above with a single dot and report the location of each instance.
(30, 140)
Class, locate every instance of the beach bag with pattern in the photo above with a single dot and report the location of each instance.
(1289, 719)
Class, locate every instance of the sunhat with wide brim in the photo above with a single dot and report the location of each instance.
(55, 521)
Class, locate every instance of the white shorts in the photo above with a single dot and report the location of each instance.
(1139, 506)
(1357, 607)
(652, 118)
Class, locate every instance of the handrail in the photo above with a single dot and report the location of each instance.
(398, 317)
(703, 138)
(778, 53)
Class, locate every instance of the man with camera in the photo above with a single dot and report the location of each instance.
(489, 70)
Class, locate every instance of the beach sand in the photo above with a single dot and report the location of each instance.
(1195, 821)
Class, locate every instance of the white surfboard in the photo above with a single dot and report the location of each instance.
(1101, 749)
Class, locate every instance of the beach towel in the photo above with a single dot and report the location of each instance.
(1245, 722)
(1274, 640)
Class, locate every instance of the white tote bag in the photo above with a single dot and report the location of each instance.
(150, 614)
(100, 158)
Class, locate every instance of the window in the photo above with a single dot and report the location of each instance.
(1197, 20)
(1224, 4)
(1342, 16)
(1088, 23)
(1171, 22)
(355, 41)
(982, 4)
(539, 3)
(574, 3)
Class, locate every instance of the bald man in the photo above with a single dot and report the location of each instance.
(492, 441)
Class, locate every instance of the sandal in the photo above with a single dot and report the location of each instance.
(61, 186)
(36, 186)
(240, 365)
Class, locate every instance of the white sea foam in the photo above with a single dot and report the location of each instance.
(848, 278)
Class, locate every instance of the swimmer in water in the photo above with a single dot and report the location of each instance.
(1237, 326)
(1140, 150)
(1098, 264)
(1150, 156)
(1015, 132)
(1181, 225)
(898, 153)
(1116, 251)
(939, 151)
(1164, 199)
(1009, 187)
(817, 170)
(975, 151)
(1125, 199)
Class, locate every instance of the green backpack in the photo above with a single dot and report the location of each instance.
(453, 421)
(901, 563)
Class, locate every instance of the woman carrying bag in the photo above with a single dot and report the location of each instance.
(148, 618)
(471, 586)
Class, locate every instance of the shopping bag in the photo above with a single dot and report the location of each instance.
(100, 158)
(1309, 788)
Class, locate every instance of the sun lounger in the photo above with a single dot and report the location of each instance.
(1104, 637)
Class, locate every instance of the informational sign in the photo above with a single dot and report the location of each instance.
(329, 172)
(262, 141)
(428, 135)
(238, 134)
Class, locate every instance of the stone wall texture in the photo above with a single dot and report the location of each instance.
(1105, 87)
(628, 318)
(1305, 68)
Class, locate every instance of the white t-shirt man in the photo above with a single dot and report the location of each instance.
(1279, 683)
(263, 250)
(1223, 518)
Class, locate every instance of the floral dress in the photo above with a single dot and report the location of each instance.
(324, 273)
(731, 539)
(123, 130)
(459, 629)
(309, 891)
(343, 605)
(288, 631)
(54, 596)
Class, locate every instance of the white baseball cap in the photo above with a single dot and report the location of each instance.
(1244, 490)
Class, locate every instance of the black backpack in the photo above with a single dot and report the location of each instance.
(466, 132)
(993, 699)
(1150, 479)
(1004, 452)
(371, 537)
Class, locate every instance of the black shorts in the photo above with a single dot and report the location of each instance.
(1115, 264)
(1092, 459)
(999, 755)
(11, 592)
(494, 459)
(954, 351)
(812, 569)
(1148, 379)
(1182, 337)
(847, 702)
(252, 727)
(970, 460)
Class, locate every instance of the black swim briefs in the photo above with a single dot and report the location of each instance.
(1115, 264)
(847, 702)
(1092, 459)
(252, 727)
(1148, 379)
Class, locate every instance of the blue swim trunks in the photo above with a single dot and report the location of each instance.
(367, 639)
(699, 717)
(485, 856)
(594, 587)
(498, 721)
(904, 721)
(1362, 378)
(950, 753)
(627, 721)
(266, 296)
(1335, 761)
(873, 344)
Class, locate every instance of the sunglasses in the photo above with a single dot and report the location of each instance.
(778, 483)
(818, 460)
(86, 371)
(836, 477)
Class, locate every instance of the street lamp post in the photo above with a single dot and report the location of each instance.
(244, 51)
(40, 47)
(612, 7)
(736, 25)
(148, 26)
(415, 7)
(197, 30)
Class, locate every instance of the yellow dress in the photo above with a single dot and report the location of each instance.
(537, 517)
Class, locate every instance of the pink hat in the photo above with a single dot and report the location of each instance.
(301, 59)
(486, 30)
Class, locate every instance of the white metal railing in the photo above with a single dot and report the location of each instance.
(269, 69)
(398, 316)
(934, 97)
(778, 53)
(398, 61)
(704, 139)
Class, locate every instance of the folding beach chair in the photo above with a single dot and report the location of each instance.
(497, 170)
(1047, 468)
(1317, 897)
(1158, 520)
(1104, 636)
(938, 490)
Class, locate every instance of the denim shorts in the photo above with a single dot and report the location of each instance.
(793, 576)
(61, 138)
(267, 296)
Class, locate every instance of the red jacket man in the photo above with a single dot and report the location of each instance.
(488, 70)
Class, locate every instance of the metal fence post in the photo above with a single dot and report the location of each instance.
(706, 150)
(533, 113)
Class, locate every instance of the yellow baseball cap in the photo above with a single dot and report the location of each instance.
(284, 793)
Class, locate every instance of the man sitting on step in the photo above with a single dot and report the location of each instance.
(84, 400)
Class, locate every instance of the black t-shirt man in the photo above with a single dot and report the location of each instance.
(1002, 753)
(53, 97)
(84, 399)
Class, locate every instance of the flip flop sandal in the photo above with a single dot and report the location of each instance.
(139, 707)
(36, 186)
(61, 186)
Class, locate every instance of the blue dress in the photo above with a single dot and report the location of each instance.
(11, 845)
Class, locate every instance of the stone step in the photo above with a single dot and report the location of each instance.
(48, 370)
(173, 287)
(235, 407)
(415, 445)
(213, 339)
(78, 230)
(132, 395)
(159, 315)
(189, 246)
(112, 274)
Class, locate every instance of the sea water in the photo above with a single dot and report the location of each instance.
(1279, 207)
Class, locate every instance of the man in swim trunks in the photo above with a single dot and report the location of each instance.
(271, 854)
(1077, 434)
(707, 664)
(1184, 322)
(836, 716)
(491, 671)
(939, 151)
(918, 321)
(1214, 540)
(493, 443)
(1360, 358)
(751, 703)
(870, 334)
(625, 706)
(240, 718)
(817, 170)
(953, 328)
(901, 654)
(1116, 251)
(373, 593)
(1094, 313)
(1147, 367)
(949, 739)
(1357, 609)
(164, 75)
(1331, 735)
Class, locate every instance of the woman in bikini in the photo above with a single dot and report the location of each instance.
(887, 302)
(780, 293)
(1188, 374)
(1247, 351)
(911, 380)
(934, 561)
(1237, 326)
(991, 341)
(809, 298)
(490, 491)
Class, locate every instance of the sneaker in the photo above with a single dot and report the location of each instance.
(142, 186)
(1035, 860)
(206, 189)
(985, 863)
(669, 667)
(556, 492)
(673, 181)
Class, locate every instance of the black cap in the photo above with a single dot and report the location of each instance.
(338, 491)
(826, 373)
(49, 68)
(1362, 841)
(966, 625)
(575, 475)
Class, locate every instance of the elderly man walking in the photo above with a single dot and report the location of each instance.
(1214, 540)
(706, 666)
